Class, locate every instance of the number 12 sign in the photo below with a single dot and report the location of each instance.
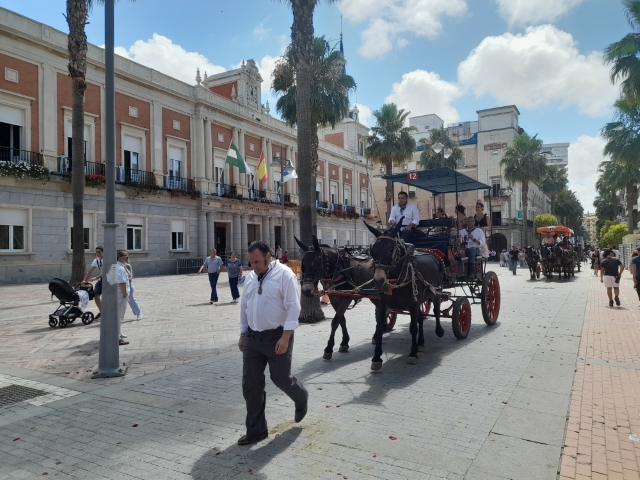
(412, 176)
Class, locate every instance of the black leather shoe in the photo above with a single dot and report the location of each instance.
(300, 413)
(249, 439)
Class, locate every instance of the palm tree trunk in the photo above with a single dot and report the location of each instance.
(632, 199)
(76, 19)
(525, 205)
(388, 193)
(302, 47)
(315, 142)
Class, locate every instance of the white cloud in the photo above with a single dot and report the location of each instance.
(161, 54)
(261, 32)
(528, 12)
(539, 67)
(422, 92)
(585, 154)
(364, 114)
(266, 67)
(390, 21)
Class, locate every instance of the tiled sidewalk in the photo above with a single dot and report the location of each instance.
(603, 431)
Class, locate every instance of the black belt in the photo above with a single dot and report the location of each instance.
(264, 334)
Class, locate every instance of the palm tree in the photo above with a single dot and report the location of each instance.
(524, 163)
(431, 159)
(624, 55)
(390, 143)
(302, 53)
(329, 94)
(623, 143)
(555, 182)
(569, 209)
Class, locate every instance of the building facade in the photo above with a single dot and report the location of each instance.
(589, 221)
(483, 143)
(175, 195)
(557, 154)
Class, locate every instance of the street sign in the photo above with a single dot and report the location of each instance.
(520, 214)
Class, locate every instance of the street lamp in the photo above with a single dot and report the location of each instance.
(278, 161)
(446, 153)
(507, 192)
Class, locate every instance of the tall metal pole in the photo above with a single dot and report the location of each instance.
(109, 355)
(283, 229)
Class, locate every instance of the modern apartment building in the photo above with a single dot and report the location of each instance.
(557, 154)
(175, 195)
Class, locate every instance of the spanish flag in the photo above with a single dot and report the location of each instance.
(261, 172)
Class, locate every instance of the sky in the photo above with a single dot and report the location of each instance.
(448, 57)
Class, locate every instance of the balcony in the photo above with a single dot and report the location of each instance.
(224, 190)
(350, 209)
(365, 211)
(128, 175)
(321, 204)
(336, 206)
(257, 195)
(14, 155)
(172, 182)
(65, 166)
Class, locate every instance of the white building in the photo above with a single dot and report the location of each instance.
(557, 154)
(425, 124)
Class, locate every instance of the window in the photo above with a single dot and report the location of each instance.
(462, 162)
(347, 195)
(134, 233)
(495, 188)
(496, 219)
(412, 193)
(86, 237)
(177, 234)
(12, 230)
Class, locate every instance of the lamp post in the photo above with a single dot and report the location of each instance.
(279, 161)
(507, 192)
(446, 153)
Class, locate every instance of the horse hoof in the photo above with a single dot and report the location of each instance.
(327, 355)
(343, 348)
(440, 332)
(373, 341)
(412, 360)
(421, 348)
(375, 366)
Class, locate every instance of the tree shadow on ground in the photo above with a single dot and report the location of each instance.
(247, 459)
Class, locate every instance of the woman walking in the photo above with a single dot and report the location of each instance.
(595, 262)
(234, 269)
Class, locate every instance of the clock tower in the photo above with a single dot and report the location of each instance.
(241, 85)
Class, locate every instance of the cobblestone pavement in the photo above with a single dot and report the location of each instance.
(603, 431)
(492, 406)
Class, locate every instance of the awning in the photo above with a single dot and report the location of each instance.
(438, 180)
(559, 229)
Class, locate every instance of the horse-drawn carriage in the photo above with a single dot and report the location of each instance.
(430, 276)
(560, 258)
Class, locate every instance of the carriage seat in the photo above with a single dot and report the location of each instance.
(434, 242)
(436, 222)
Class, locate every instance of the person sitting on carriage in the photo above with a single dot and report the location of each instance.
(473, 239)
(547, 243)
(411, 217)
(482, 219)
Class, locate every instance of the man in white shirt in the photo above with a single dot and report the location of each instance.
(410, 213)
(122, 279)
(616, 252)
(474, 239)
(269, 314)
(96, 266)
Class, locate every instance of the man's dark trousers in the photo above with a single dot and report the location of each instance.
(258, 350)
(213, 280)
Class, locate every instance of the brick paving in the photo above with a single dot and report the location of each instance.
(603, 430)
(493, 406)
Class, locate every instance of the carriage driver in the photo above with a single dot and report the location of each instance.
(410, 213)
(473, 239)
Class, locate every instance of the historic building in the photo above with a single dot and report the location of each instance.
(175, 195)
(483, 143)
(589, 221)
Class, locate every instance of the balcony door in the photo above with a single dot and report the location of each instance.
(347, 195)
(175, 168)
(131, 158)
(11, 123)
(218, 176)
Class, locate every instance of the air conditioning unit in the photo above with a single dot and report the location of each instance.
(405, 167)
(412, 194)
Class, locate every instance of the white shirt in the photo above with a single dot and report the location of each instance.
(617, 252)
(547, 241)
(277, 306)
(409, 212)
(97, 263)
(477, 234)
(122, 276)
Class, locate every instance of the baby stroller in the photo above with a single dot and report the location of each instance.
(70, 299)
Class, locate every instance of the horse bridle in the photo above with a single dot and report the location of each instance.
(323, 265)
(396, 256)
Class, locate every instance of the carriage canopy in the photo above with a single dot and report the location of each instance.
(558, 229)
(438, 180)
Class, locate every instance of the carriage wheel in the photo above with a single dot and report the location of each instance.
(391, 321)
(490, 298)
(461, 319)
(425, 307)
(87, 318)
(53, 321)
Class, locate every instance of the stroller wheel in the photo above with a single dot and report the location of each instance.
(62, 323)
(87, 318)
(53, 321)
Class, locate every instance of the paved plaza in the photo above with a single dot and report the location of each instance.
(548, 391)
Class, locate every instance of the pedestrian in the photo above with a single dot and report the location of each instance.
(635, 270)
(610, 272)
(595, 261)
(615, 251)
(285, 257)
(278, 252)
(133, 303)
(213, 263)
(234, 269)
(521, 258)
(513, 259)
(122, 279)
(269, 314)
(502, 258)
(506, 259)
(96, 266)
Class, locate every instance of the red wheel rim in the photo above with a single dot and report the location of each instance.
(391, 319)
(493, 298)
(464, 319)
(425, 307)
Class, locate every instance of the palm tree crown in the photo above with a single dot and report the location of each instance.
(624, 55)
(431, 159)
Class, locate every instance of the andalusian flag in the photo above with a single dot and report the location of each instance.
(234, 158)
(261, 173)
